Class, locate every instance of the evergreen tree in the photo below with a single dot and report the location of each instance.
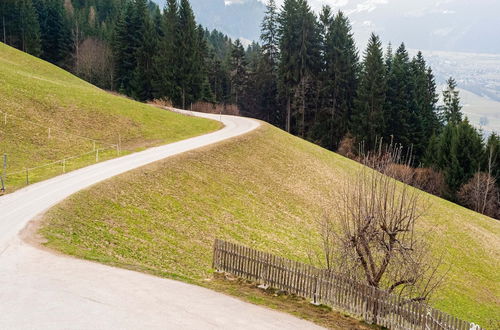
(299, 62)
(431, 157)
(368, 117)
(398, 112)
(288, 44)
(124, 50)
(55, 33)
(269, 34)
(238, 72)
(267, 69)
(142, 83)
(165, 80)
(452, 108)
(30, 28)
(341, 74)
(460, 153)
(187, 73)
(492, 156)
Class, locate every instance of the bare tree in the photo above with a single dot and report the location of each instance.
(370, 233)
(94, 60)
(481, 193)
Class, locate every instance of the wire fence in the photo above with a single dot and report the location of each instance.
(25, 175)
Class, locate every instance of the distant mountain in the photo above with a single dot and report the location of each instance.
(237, 18)
(447, 25)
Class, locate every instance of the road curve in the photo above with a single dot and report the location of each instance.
(41, 290)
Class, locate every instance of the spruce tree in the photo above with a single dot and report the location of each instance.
(341, 74)
(299, 62)
(124, 50)
(55, 33)
(269, 34)
(30, 28)
(142, 83)
(452, 108)
(368, 117)
(238, 72)
(267, 69)
(288, 44)
(398, 113)
(165, 80)
(460, 155)
(187, 42)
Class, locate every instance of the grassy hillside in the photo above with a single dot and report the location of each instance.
(37, 96)
(266, 190)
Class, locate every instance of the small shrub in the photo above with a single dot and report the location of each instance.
(347, 147)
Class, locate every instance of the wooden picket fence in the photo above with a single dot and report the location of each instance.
(323, 287)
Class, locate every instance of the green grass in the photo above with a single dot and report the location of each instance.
(266, 190)
(38, 95)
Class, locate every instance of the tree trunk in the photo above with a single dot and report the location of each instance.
(183, 98)
(4, 32)
(288, 113)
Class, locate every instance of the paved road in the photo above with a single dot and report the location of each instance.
(41, 290)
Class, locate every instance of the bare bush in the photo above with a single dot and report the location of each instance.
(481, 195)
(94, 62)
(430, 180)
(225, 109)
(403, 173)
(371, 232)
(165, 103)
(347, 147)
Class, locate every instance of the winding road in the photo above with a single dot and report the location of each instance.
(43, 290)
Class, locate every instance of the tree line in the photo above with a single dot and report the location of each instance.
(306, 76)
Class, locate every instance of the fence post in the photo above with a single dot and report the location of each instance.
(97, 156)
(64, 165)
(315, 294)
(27, 176)
(265, 274)
(4, 171)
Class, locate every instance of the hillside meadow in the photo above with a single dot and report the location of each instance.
(36, 96)
(266, 190)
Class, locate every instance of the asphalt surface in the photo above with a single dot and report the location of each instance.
(42, 290)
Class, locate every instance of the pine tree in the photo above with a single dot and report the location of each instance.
(398, 112)
(341, 74)
(55, 33)
(238, 72)
(461, 153)
(269, 34)
(452, 108)
(267, 69)
(431, 157)
(492, 156)
(30, 28)
(165, 80)
(288, 44)
(142, 83)
(368, 117)
(299, 62)
(124, 50)
(187, 73)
